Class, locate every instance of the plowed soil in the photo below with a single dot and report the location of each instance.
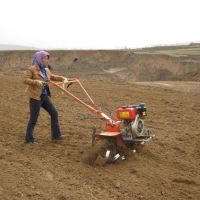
(167, 167)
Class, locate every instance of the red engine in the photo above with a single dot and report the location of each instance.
(131, 120)
(129, 126)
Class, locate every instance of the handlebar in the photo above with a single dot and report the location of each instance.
(94, 109)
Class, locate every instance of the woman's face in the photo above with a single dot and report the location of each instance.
(45, 60)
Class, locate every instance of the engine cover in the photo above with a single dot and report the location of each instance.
(129, 112)
(132, 129)
(137, 127)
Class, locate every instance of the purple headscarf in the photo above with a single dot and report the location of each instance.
(38, 58)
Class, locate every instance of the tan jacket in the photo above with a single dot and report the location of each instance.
(31, 77)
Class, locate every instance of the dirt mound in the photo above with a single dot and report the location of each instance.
(104, 153)
(165, 168)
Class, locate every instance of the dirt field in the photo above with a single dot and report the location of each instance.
(168, 167)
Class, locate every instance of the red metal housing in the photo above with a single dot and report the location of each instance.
(126, 113)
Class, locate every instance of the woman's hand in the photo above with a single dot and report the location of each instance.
(41, 83)
(66, 80)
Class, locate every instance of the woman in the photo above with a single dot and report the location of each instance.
(39, 94)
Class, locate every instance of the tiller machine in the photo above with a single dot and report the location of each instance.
(124, 128)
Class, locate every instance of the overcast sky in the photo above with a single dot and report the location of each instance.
(98, 24)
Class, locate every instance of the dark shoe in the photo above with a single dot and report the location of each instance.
(59, 138)
(32, 142)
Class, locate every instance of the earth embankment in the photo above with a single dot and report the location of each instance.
(121, 65)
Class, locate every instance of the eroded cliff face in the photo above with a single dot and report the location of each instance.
(104, 64)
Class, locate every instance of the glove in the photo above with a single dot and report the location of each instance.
(40, 83)
(66, 80)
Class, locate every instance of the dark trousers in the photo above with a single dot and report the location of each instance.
(35, 106)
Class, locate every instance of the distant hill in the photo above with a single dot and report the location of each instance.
(128, 66)
(4, 47)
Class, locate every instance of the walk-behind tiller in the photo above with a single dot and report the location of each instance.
(128, 125)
